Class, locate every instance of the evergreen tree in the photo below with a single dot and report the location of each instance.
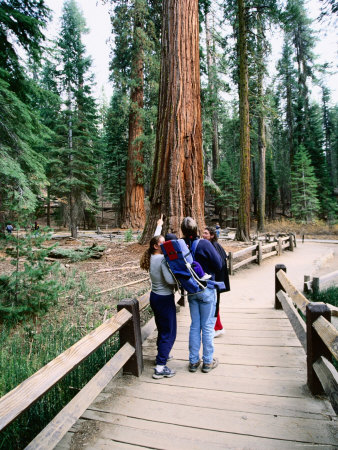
(22, 174)
(115, 155)
(305, 204)
(79, 151)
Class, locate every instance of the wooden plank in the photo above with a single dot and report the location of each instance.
(328, 376)
(244, 251)
(245, 423)
(30, 390)
(144, 300)
(296, 320)
(156, 435)
(271, 245)
(148, 329)
(245, 261)
(278, 321)
(62, 422)
(241, 370)
(115, 428)
(267, 356)
(181, 342)
(220, 381)
(325, 281)
(249, 326)
(328, 333)
(293, 292)
(268, 255)
(223, 400)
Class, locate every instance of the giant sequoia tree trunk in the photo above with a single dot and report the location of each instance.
(261, 125)
(243, 227)
(133, 212)
(177, 184)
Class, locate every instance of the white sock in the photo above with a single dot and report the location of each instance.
(159, 368)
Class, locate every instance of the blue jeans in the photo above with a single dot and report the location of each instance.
(202, 312)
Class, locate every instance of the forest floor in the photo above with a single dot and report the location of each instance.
(99, 284)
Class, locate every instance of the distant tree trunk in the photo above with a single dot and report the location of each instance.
(72, 196)
(213, 93)
(261, 126)
(243, 226)
(177, 183)
(133, 212)
(48, 206)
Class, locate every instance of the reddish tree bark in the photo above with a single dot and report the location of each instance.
(133, 212)
(177, 183)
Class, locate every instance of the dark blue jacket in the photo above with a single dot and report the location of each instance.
(207, 256)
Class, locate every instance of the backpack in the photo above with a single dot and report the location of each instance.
(188, 273)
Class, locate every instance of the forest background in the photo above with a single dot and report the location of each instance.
(65, 152)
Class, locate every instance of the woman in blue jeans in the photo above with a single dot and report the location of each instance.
(162, 303)
(203, 304)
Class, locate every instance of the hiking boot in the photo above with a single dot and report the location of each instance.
(219, 333)
(165, 373)
(207, 367)
(193, 367)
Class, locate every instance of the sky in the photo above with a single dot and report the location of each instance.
(98, 42)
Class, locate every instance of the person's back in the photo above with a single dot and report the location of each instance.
(208, 257)
(202, 305)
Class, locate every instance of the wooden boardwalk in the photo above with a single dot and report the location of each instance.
(256, 398)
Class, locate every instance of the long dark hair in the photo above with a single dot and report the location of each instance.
(145, 258)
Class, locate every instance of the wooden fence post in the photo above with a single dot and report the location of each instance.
(231, 263)
(280, 246)
(278, 286)
(291, 241)
(259, 253)
(131, 332)
(315, 285)
(181, 301)
(315, 345)
(307, 284)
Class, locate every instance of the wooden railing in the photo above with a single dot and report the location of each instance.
(321, 283)
(259, 251)
(129, 357)
(317, 335)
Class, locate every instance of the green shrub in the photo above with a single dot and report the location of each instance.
(33, 285)
(128, 235)
(330, 295)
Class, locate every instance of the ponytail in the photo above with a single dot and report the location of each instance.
(145, 258)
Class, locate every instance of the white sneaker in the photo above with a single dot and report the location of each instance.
(219, 333)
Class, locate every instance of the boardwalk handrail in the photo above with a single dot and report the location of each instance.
(318, 336)
(318, 284)
(129, 357)
(258, 252)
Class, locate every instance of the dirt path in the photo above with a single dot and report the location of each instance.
(253, 287)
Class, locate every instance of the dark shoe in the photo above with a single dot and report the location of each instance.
(193, 367)
(207, 367)
(166, 372)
